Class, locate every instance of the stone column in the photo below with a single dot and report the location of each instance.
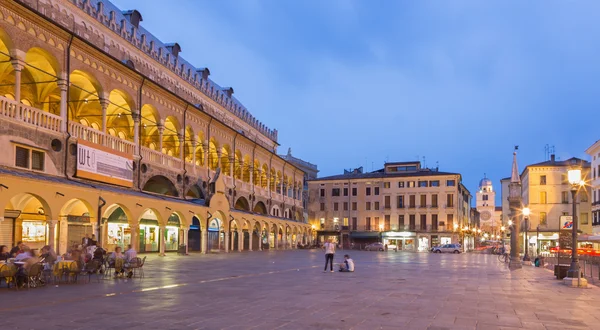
(63, 236)
(206, 152)
(219, 159)
(161, 129)
(194, 152)
(18, 66)
(52, 233)
(250, 240)
(276, 240)
(251, 170)
(64, 87)
(185, 239)
(104, 105)
(136, 128)
(240, 240)
(204, 241)
(181, 137)
(161, 240)
(135, 236)
(227, 243)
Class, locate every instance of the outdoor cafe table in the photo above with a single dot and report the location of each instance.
(58, 267)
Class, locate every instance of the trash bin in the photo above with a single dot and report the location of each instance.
(560, 271)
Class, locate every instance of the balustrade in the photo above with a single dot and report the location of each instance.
(29, 115)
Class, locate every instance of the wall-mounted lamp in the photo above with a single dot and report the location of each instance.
(168, 208)
(60, 194)
(138, 204)
(3, 186)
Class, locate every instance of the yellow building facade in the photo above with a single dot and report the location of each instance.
(106, 130)
(402, 205)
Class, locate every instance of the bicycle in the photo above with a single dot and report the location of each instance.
(504, 258)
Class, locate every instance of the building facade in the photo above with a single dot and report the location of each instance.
(486, 206)
(594, 181)
(402, 204)
(107, 130)
(547, 193)
(310, 173)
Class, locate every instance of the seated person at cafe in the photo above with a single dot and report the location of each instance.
(25, 254)
(16, 250)
(118, 260)
(347, 265)
(48, 255)
(4, 253)
(130, 255)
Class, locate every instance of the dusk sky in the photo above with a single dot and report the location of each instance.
(355, 83)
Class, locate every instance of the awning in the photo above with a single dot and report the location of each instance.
(364, 234)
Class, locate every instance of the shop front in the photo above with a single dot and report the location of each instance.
(78, 227)
(172, 234)
(34, 233)
(214, 235)
(328, 235)
(403, 240)
(118, 232)
(360, 239)
(148, 235)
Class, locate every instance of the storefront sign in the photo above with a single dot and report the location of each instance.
(398, 234)
(99, 163)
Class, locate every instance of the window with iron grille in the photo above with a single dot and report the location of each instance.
(29, 158)
(22, 157)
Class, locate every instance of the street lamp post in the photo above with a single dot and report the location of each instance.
(526, 213)
(537, 241)
(574, 176)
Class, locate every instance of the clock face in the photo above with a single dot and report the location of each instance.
(486, 215)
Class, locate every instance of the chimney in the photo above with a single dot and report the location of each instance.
(204, 72)
(228, 91)
(552, 158)
(134, 17)
(174, 48)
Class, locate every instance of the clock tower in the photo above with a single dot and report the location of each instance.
(486, 206)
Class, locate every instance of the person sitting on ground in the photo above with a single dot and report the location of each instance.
(4, 254)
(130, 256)
(347, 265)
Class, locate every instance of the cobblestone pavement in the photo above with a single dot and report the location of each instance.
(288, 289)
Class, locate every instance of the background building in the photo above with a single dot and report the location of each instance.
(547, 193)
(403, 204)
(310, 173)
(594, 179)
(486, 206)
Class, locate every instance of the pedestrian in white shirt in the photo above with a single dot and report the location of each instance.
(329, 253)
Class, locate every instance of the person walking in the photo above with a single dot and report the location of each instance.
(329, 253)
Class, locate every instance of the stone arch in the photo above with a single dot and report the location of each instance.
(225, 162)
(117, 230)
(150, 121)
(279, 178)
(84, 99)
(195, 192)
(264, 173)
(256, 173)
(213, 154)
(215, 228)
(189, 138)
(119, 119)
(39, 78)
(170, 142)
(78, 207)
(195, 233)
(246, 168)
(237, 165)
(7, 71)
(276, 211)
(200, 149)
(149, 233)
(242, 204)
(159, 184)
(260, 208)
(272, 179)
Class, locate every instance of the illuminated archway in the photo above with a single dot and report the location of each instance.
(171, 137)
(119, 121)
(39, 79)
(213, 155)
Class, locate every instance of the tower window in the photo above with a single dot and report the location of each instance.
(485, 197)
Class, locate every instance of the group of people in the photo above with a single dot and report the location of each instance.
(27, 257)
(346, 266)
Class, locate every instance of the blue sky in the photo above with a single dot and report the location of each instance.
(355, 83)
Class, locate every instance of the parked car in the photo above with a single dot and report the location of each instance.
(447, 248)
(374, 247)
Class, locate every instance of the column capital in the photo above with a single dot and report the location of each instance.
(52, 222)
(62, 84)
(135, 115)
(104, 102)
(18, 64)
(134, 227)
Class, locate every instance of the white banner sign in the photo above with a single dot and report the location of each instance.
(566, 222)
(99, 163)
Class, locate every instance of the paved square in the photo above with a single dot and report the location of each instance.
(288, 289)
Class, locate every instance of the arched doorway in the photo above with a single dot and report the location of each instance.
(172, 233)
(149, 232)
(214, 231)
(195, 235)
(234, 236)
(256, 237)
(25, 220)
(79, 222)
(118, 232)
(260, 208)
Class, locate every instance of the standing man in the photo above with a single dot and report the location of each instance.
(329, 252)
(85, 241)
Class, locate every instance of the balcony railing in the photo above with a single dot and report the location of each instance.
(20, 112)
(160, 158)
(89, 134)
